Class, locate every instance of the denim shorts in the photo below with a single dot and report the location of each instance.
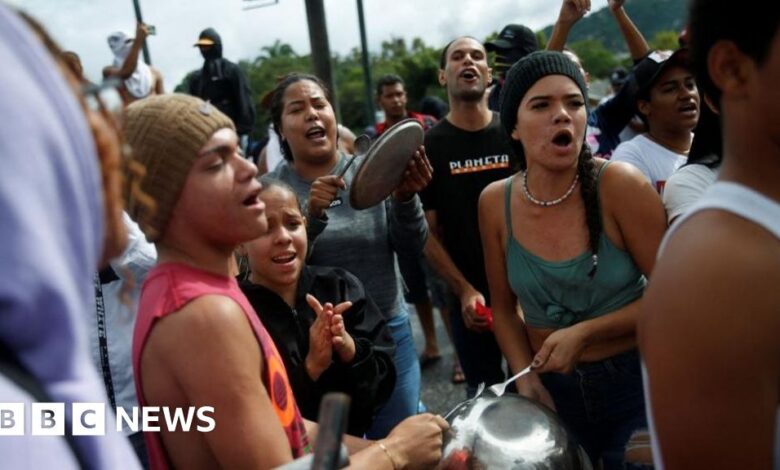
(602, 403)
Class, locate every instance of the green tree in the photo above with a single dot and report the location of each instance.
(276, 50)
(665, 40)
(596, 59)
(541, 38)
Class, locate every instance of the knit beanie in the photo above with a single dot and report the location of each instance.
(165, 133)
(529, 70)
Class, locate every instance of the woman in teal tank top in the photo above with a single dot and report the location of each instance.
(571, 247)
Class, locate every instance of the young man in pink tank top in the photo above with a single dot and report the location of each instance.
(711, 318)
(197, 340)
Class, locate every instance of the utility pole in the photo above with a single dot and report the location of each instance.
(320, 48)
(139, 19)
(370, 116)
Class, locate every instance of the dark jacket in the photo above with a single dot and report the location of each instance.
(225, 85)
(368, 380)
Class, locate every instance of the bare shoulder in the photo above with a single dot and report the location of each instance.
(718, 270)
(493, 193)
(708, 334)
(619, 177)
(209, 323)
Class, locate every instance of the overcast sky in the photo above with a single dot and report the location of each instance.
(83, 25)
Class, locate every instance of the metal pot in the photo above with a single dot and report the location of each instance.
(509, 432)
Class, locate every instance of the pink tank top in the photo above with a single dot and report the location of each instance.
(168, 288)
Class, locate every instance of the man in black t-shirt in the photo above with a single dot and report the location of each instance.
(468, 151)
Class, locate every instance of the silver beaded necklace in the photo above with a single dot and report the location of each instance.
(554, 202)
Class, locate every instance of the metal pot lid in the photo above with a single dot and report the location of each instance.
(383, 166)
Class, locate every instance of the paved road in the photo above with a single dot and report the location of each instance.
(439, 395)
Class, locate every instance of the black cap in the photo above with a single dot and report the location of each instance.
(652, 66)
(208, 37)
(514, 37)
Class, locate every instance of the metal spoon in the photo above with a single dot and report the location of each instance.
(362, 144)
(480, 389)
(498, 389)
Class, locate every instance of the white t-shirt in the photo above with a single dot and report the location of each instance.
(273, 150)
(654, 160)
(685, 187)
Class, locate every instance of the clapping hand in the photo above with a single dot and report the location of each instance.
(328, 334)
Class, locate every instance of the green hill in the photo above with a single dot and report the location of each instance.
(650, 16)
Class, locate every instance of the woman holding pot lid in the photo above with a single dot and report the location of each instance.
(572, 246)
(363, 242)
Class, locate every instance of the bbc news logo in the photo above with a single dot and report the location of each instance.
(90, 419)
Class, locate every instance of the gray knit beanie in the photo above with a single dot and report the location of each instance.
(527, 71)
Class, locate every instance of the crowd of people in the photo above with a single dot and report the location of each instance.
(628, 252)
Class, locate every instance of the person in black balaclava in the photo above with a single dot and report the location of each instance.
(512, 44)
(224, 84)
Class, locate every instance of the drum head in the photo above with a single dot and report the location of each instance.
(383, 167)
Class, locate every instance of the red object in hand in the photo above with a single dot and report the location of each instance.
(487, 312)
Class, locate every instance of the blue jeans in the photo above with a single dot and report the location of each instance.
(479, 354)
(602, 403)
(405, 397)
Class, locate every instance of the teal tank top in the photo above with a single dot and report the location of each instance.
(557, 294)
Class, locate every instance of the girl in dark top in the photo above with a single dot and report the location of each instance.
(329, 333)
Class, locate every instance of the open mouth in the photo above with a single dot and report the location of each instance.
(690, 108)
(252, 199)
(284, 258)
(563, 138)
(469, 74)
(316, 132)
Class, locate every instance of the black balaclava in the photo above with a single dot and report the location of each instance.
(211, 52)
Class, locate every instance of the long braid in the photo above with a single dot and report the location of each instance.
(586, 169)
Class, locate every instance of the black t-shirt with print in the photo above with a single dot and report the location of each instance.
(464, 163)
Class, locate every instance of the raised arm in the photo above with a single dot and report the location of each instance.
(571, 12)
(637, 46)
(131, 61)
(408, 228)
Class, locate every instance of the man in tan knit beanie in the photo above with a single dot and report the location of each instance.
(197, 341)
(166, 134)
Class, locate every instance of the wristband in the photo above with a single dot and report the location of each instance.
(389, 455)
